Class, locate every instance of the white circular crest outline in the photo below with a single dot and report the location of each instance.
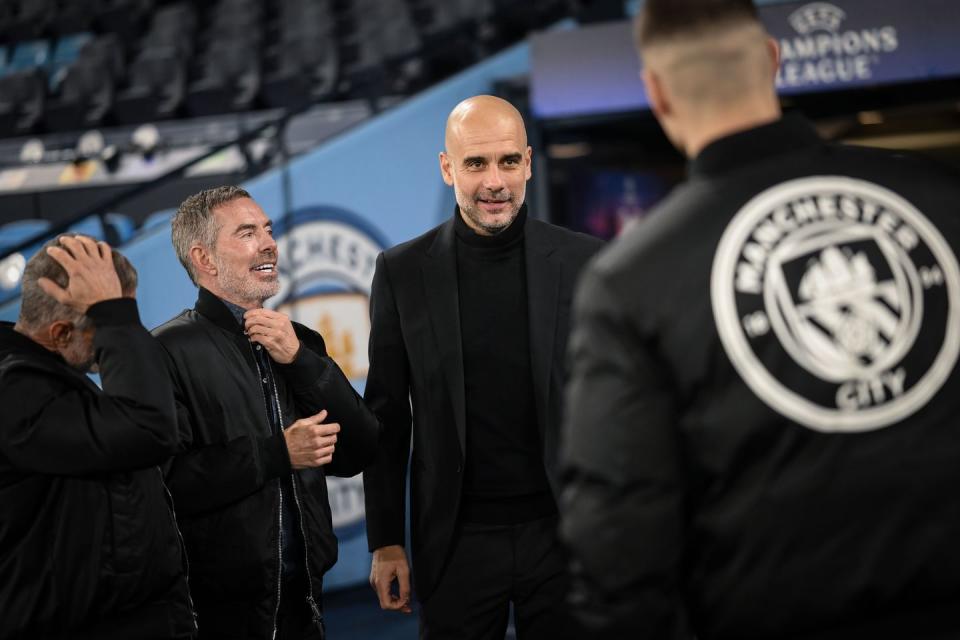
(773, 393)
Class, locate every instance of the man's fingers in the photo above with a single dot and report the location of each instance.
(381, 584)
(321, 442)
(326, 451)
(266, 318)
(261, 339)
(80, 246)
(403, 581)
(90, 246)
(388, 601)
(264, 331)
(314, 421)
(268, 314)
(53, 290)
(327, 429)
(106, 253)
(322, 434)
(64, 258)
(252, 327)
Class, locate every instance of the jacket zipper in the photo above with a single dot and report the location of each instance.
(183, 547)
(317, 616)
(311, 601)
(276, 609)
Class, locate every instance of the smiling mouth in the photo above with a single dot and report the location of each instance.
(493, 203)
(267, 267)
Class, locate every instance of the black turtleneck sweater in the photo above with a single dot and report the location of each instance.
(504, 478)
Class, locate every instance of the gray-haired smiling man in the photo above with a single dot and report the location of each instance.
(265, 414)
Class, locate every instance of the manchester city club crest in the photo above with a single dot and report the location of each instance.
(828, 293)
(327, 258)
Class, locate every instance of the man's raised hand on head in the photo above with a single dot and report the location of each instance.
(92, 275)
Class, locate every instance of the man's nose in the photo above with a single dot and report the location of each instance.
(268, 243)
(493, 179)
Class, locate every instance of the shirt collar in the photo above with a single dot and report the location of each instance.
(236, 310)
(217, 311)
(754, 145)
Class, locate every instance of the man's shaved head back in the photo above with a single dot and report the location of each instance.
(706, 50)
(709, 67)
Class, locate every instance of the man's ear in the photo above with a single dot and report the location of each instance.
(60, 333)
(773, 51)
(202, 260)
(656, 94)
(446, 168)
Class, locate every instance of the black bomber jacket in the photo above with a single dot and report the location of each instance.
(88, 543)
(227, 476)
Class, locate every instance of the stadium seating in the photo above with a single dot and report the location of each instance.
(101, 62)
(157, 219)
(22, 96)
(65, 54)
(119, 228)
(24, 19)
(85, 94)
(302, 64)
(157, 86)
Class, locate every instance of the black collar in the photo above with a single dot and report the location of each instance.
(12, 341)
(213, 309)
(754, 145)
(506, 237)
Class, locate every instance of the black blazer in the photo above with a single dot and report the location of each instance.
(416, 365)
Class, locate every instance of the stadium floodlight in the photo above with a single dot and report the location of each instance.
(11, 271)
(146, 139)
(90, 145)
(32, 151)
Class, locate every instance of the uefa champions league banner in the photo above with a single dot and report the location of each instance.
(824, 46)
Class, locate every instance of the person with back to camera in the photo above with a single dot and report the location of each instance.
(760, 436)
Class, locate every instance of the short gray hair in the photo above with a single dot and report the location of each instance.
(38, 310)
(194, 222)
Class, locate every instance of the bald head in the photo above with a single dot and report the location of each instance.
(482, 113)
(487, 162)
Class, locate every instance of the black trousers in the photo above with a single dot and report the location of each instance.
(492, 566)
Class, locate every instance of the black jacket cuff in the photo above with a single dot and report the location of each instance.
(306, 368)
(116, 311)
